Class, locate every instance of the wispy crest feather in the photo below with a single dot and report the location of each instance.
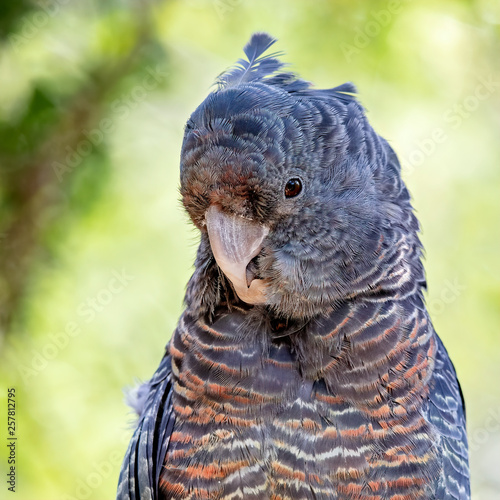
(258, 67)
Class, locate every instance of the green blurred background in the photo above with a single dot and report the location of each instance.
(95, 250)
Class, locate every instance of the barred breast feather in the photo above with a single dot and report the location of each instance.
(366, 422)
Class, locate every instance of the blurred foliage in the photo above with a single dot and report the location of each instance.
(95, 250)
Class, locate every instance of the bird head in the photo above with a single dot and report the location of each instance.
(299, 202)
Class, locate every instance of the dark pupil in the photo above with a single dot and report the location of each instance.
(293, 188)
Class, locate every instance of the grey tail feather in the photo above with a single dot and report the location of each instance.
(255, 67)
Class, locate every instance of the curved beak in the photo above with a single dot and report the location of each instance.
(235, 241)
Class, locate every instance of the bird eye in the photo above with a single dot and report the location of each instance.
(293, 188)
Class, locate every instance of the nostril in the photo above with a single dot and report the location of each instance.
(252, 271)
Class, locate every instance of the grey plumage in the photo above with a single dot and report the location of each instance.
(305, 364)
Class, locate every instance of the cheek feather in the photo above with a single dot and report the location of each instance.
(287, 269)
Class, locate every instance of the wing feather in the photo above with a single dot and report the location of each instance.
(446, 412)
(144, 458)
